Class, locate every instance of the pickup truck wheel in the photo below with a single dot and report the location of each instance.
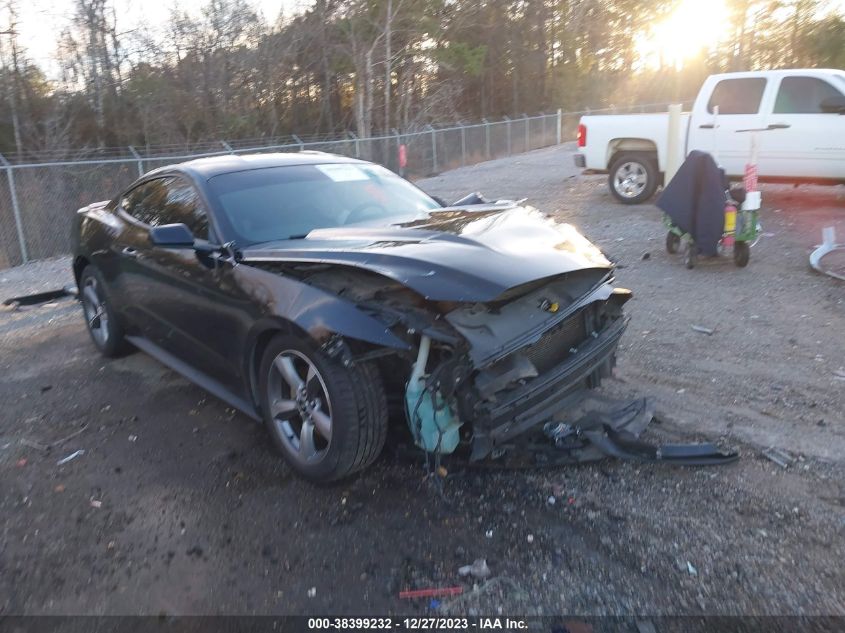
(632, 178)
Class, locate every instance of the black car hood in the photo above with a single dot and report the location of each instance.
(457, 254)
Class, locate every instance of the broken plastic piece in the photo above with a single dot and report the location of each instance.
(779, 457)
(70, 457)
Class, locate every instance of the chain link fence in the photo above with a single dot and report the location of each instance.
(38, 199)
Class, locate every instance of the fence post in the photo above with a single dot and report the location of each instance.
(227, 147)
(433, 148)
(508, 121)
(140, 162)
(299, 140)
(463, 143)
(16, 210)
(527, 141)
(559, 124)
(487, 136)
(357, 144)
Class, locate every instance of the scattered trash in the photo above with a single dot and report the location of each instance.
(133, 438)
(434, 604)
(96, 503)
(22, 462)
(442, 472)
(692, 570)
(530, 538)
(312, 593)
(839, 374)
(489, 534)
(646, 255)
(779, 457)
(72, 456)
(34, 444)
(704, 330)
(59, 488)
(434, 592)
(478, 569)
(551, 500)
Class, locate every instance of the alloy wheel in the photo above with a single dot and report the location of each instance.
(300, 407)
(630, 180)
(96, 315)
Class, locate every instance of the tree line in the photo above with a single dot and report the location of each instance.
(366, 66)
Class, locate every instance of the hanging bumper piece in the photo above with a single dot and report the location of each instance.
(604, 428)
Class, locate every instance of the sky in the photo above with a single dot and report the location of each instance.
(41, 21)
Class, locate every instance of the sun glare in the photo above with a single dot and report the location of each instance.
(694, 26)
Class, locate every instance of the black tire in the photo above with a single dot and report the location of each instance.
(742, 253)
(100, 317)
(355, 402)
(690, 255)
(673, 242)
(626, 170)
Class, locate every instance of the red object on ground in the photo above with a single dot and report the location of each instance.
(403, 156)
(431, 593)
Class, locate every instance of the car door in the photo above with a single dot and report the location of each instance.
(186, 297)
(803, 140)
(740, 108)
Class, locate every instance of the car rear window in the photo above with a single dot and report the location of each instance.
(738, 96)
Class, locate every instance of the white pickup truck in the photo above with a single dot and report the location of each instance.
(797, 117)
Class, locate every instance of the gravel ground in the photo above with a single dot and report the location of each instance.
(178, 504)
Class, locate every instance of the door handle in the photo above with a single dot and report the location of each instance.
(706, 126)
(778, 126)
(129, 251)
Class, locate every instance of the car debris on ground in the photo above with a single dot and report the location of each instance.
(70, 457)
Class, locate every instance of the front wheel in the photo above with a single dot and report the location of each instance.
(633, 178)
(100, 318)
(327, 420)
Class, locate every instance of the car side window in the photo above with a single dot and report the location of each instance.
(168, 200)
(738, 96)
(803, 95)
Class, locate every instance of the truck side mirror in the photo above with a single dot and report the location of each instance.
(834, 105)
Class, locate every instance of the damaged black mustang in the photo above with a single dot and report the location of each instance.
(315, 292)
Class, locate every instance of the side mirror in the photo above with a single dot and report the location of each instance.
(172, 236)
(834, 105)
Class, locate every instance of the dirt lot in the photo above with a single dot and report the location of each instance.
(179, 505)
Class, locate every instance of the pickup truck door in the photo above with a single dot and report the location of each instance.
(740, 101)
(802, 140)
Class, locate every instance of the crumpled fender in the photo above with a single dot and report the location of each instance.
(314, 311)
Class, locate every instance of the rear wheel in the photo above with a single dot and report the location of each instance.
(742, 253)
(673, 242)
(633, 178)
(690, 255)
(100, 318)
(327, 420)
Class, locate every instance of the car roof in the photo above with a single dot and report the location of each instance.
(206, 168)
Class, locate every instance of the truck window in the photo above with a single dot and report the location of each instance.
(803, 95)
(738, 96)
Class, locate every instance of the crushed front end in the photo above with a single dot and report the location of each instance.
(535, 353)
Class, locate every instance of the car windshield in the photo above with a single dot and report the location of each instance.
(279, 203)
